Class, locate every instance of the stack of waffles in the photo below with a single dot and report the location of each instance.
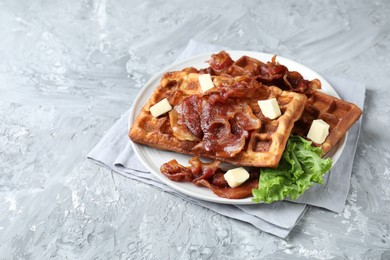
(226, 123)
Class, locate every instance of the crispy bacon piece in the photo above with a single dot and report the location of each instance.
(278, 75)
(221, 188)
(176, 172)
(226, 121)
(220, 62)
(240, 87)
(220, 120)
(211, 176)
(295, 82)
(218, 180)
(197, 171)
(269, 73)
(203, 170)
(191, 115)
(240, 192)
(225, 125)
(185, 119)
(179, 130)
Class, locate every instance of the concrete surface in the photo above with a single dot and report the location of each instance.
(68, 69)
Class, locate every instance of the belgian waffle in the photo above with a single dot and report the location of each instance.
(339, 114)
(263, 145)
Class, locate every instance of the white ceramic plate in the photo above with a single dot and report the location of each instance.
(153, 158)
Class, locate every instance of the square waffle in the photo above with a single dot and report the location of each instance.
(263, 145)
(339, 114)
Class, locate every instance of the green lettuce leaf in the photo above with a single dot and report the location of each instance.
(299, 168)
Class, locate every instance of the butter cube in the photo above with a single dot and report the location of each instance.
(160, 108)
(205, 82)
(235, 177)
(318, 132)
(270, 108)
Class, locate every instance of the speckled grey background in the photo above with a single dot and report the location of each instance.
(68, 69)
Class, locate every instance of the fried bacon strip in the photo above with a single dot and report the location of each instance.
(219, 63)
(270, 73)
(240, 192)
(211, 176)
(221, 123)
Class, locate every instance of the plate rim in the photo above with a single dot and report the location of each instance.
(138, 147)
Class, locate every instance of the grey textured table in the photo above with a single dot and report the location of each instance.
(68, 69)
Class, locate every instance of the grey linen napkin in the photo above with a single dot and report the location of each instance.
(114, 151)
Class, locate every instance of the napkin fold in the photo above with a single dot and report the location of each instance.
(114, 151)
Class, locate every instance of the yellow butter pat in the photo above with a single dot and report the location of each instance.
(235, 177)
(160, 108)
(270, 108)
(205, 82)
(318, 132)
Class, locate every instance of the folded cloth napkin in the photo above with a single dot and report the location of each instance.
(114, 151)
